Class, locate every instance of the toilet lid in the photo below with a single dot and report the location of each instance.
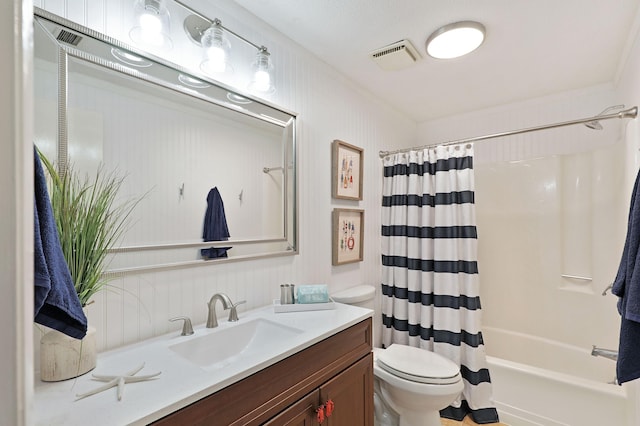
(418, 365)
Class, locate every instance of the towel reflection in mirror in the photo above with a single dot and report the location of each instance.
(215, 226)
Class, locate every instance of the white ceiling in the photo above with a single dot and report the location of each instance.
(532, 48)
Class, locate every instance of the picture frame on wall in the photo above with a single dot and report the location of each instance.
(347, 167)
(348, 236)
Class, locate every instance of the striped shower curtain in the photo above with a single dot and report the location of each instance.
(430, 273)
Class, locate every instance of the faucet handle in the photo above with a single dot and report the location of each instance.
(233, 313)
(187, 328)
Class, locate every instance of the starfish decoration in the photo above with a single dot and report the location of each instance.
(118, 381)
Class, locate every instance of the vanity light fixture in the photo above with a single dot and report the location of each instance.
(151, 24)
(262, 71)
(211, 35)
(455, 40)
(216, 48)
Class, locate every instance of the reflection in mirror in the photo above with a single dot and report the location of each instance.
(177, 137)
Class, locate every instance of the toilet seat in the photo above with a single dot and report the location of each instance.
(418, 365)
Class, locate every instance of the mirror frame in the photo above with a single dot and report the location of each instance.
(216, 93)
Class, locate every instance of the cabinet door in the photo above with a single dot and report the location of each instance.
(352, 394)
(302, 413)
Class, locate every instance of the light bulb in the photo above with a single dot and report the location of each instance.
(151, 28)
(151, 24)
(262, 80)
(150, 21)
(217, 58)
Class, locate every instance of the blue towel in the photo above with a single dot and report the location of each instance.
(56, 303)
(627, 287)
(215, 225)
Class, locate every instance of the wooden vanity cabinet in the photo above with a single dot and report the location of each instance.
(350, 392)
(339, 368)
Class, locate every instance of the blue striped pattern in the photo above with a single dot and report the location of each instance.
(430, 285)
(422, 200)
(437, 300)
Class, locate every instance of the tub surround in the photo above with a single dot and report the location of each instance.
(181, 382)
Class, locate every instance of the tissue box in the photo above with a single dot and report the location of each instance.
(317, 293)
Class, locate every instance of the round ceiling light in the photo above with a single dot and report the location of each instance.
(454, 40)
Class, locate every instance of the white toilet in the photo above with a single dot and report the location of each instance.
(415, 383)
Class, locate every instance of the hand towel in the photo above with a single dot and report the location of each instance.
(215, 225)
(312, 293)
(56, 303)
(627, 287)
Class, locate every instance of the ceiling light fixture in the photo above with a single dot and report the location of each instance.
(211, 35)
(455, 40)
(151, 24)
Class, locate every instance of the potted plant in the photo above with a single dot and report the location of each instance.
(90, 220)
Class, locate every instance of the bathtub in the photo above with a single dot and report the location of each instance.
(547, 383)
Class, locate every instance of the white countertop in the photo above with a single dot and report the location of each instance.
(181, 382)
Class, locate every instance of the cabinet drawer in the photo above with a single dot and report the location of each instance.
(302, 413)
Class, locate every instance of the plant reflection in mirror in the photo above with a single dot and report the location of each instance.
(89, 222)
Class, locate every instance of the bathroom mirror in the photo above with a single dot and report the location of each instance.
(174, 136)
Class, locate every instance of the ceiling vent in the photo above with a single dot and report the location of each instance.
(68, 37)
(396, 56)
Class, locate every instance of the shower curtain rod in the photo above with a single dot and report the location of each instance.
(626, 113)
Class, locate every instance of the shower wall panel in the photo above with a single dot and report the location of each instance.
(559, 218)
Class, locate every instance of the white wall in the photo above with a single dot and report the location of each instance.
(16, 226)
(329, 108)
(530, 113)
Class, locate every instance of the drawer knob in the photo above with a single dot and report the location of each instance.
(320, 414)
(329, 405)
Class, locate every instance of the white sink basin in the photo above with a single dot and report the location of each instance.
(221, 347)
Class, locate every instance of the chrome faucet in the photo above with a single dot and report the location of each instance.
(607, 353)
(212, 319)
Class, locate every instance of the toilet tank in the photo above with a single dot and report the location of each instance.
(364, 296)
(360, 295)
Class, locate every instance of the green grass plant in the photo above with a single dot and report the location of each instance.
(90, 221)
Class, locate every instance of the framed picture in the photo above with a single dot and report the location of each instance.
(347, 164)
(348, 236)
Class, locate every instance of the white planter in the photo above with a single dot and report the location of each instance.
(63, 357)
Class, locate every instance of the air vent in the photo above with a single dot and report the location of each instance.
(395, 56)
(68, 37)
